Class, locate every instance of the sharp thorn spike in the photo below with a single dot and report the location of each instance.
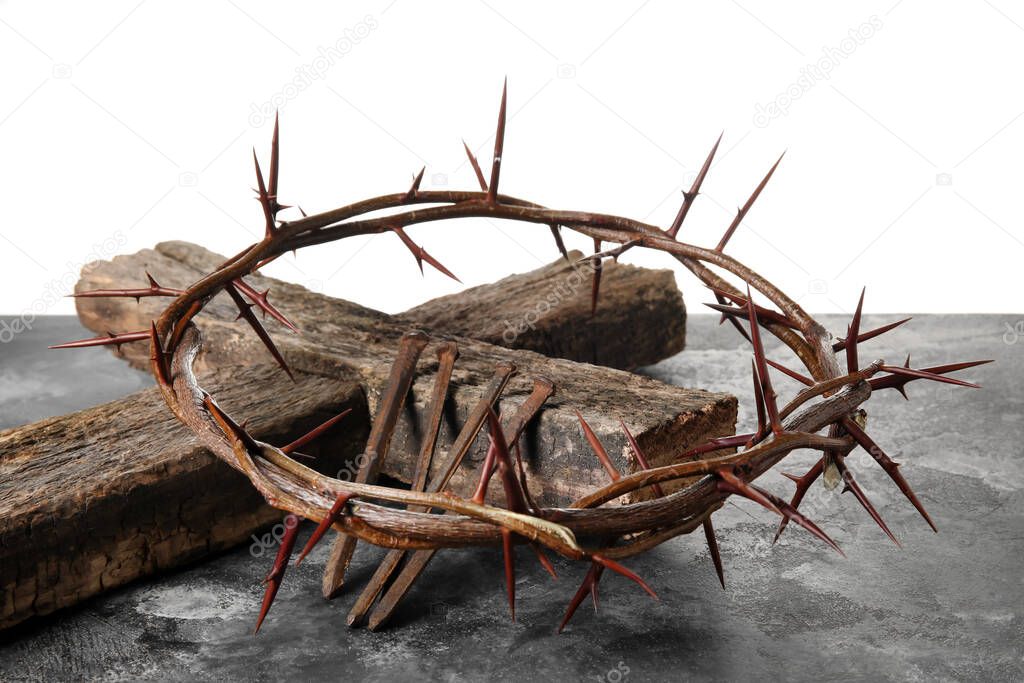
(476, 167)
(762, 368)
(333, 515)
(158, 357)
(803, 484)
(741, 213)
(870, 334)
(888, 465)
(803, 379)
(544, 561)
(716, 558)
(592, 576)
(421, 255)
(109, 339)
(858, 492)
(245, 311)
(314, 434)
(758, 399)
(853, 332)
(691, 195)
(417, 179)
(641, 459)
(556, 232)
(598, 448)
(264, 198)
(275, 158)
(276, 575)
(732, 320)
(730, 483)
(508, 551)
(261, 299)
(623, 571)
(499, 144)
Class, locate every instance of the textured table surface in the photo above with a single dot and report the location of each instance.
(947, 606)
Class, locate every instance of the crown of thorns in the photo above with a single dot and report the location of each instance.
(590, 530)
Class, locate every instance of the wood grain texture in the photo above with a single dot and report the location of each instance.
(92, 500)
(341, 337)
(98, 498)
(640, 317)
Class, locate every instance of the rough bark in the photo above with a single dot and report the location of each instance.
(95, 499)
(98, 498)
(640, 318)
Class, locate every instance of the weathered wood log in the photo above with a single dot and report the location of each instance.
(341, 337)
(640, 317)
(96, 499)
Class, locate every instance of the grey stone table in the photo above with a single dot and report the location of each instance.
(947, 606)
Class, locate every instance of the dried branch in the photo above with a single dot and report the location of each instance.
(429, 517)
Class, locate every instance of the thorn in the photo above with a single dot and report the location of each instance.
(899, 382)
(763, 314)
(268, 211)
(137, 294)
(870, 334)
(336, 512)
(588, 585)
(417, 179)
(544, 561)
(556, 232)
(730, 483)
(276, 576)
(510, 569)
(245, 311)
(886, 463)
(275, 150)
(315, 433)
(619, 569)
(614, 253)
(709, 534)
(717, 445)
(803, 484)
(499, 143)
(594, 585)
(513, 494)
(598, 448)
(691, 195)
(595, 286)
(803, 379)
(640, 457)
(157, 356)
(110, 339)
(476, 167)
(762, 368)
(231, 429)
(921, 374)
(758, 399)
(732, 320)
(742, 212)
(853, 332)
(854, 487)
(261, 300)
(531, 503)
(421, 255)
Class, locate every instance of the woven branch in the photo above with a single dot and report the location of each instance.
(591, 530)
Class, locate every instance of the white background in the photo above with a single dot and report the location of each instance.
(125, 124)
